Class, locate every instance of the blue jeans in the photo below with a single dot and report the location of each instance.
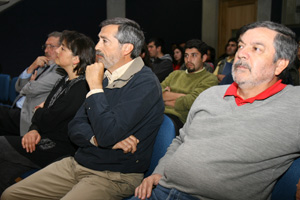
(162, 193)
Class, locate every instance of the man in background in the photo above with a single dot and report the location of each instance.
(33, 85)
(182, 87)
(162, 64)
(224, 66)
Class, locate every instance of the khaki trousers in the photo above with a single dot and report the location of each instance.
(68, 180)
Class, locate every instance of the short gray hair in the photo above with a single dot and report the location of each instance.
(284, 42)
(56, 34)
(128, 32)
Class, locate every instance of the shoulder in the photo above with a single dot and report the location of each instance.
(291, 92)
(208, 76)
(145, 75)
(178, 73)
(214, 91)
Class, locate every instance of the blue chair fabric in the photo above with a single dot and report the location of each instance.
(12, 90)
(285, 188)
(4, 87)
(164, 138)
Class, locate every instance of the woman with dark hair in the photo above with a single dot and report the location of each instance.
(211, 54)
(47, 139)
(178, 58)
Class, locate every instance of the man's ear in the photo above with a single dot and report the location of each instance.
(158, 48)
(127, 48)
(204, 58)
(76, 60)
(281, 64)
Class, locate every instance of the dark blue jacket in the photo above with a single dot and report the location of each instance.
(131, 105)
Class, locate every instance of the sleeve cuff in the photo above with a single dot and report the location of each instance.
(94, 91)
(92, 141)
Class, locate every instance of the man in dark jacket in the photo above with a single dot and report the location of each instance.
(124, 108)
(161, 63)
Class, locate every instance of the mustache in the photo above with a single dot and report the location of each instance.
(241, 63)
(99, 53)
(190, 63)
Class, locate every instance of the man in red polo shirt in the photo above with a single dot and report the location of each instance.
(238, 139)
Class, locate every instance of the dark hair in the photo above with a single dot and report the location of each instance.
(198, 44)
(181, 61)
(233, 39)
(81, 46)
(128, 32)
(212, 54)
(158, 42)
(284, 42)
(146, 58)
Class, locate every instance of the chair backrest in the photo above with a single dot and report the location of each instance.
(164, 138)
(4, 87)
(12, 90)
(285, 188)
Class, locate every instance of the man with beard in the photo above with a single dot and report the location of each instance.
(224, 66)
(34, 85)
(115, 128)
(181, 88)
(240, 138)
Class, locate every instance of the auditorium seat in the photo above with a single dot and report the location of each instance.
(4, 88)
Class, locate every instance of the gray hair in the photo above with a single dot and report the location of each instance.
(56, 34)
(284, 42)
(128, 32)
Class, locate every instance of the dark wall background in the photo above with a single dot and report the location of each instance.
(276, 16)
(175, 21)
(25, 26)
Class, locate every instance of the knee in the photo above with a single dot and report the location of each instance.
(7, 194)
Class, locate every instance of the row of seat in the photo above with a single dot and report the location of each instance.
(284, 189)
(8, 92)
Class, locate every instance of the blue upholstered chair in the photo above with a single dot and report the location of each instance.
(12, 90)
(4, 87)
(164, 138)
(285, 188)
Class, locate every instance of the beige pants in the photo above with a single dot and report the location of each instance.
(68, 180)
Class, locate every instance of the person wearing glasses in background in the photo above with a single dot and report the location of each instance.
(34, 85)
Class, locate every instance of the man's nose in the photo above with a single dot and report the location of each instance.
(242, 52)
(98, 46)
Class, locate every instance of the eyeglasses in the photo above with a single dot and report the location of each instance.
(45, 46)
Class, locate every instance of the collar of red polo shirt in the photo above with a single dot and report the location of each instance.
(232, 91)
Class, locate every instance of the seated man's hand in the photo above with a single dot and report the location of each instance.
(33, 76)
(38, 106)
(128, 145)
(39, 62)
(298, 191)
(30, 140)
(144, 190)
(220, 77)
(94, 75)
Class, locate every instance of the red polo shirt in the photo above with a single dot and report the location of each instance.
(232, 91)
